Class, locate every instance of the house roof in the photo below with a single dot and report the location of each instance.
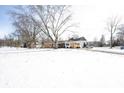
(77, 39)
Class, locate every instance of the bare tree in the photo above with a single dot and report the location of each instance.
(112, 26)
(9, 40)
(54, 20)
(120, 34)
(102, 40)
(25, 27)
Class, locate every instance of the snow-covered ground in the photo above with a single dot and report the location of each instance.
(107, 49)
(61, 68)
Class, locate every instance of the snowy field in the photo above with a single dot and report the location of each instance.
(61, 68)
(107, 49)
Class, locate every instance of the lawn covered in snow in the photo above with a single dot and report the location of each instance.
(108, 49)
(60, 68)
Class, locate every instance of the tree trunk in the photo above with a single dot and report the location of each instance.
(111, 40)
(56, 44)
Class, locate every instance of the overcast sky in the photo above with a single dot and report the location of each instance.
(93, 19)
(91, 16)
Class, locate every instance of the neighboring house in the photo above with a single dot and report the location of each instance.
(63, 44)
(77, 42)
(71, 43)
(38, 45)
(47, 44)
